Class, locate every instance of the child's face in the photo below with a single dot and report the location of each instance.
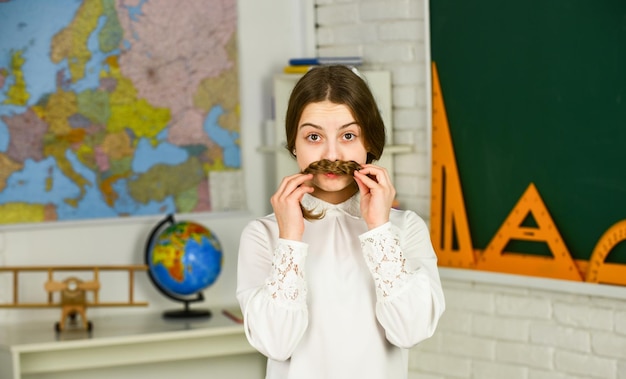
(329, 131)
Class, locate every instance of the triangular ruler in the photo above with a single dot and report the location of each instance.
(449, 229)
(559, 266)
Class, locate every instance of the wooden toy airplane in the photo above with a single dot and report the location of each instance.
(72, 299)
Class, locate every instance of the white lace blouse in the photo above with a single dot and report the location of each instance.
(343, 303)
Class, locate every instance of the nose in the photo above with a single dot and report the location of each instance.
(332, 151)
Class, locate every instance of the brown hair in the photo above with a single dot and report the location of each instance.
(339, 85)
(334, 167)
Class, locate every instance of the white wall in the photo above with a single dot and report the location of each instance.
(525, 328)
(270, 32)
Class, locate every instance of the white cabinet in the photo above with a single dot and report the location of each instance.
(133, 346)
(380, 85)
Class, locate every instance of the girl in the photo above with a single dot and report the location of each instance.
(335, 283)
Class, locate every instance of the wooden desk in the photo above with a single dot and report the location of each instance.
(36, 350)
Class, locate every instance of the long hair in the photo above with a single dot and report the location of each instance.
(340, 85)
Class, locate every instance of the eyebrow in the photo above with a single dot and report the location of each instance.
(319, 127)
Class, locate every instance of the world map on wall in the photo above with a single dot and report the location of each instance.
(115, 108)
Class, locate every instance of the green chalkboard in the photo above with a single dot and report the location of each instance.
(535, 91)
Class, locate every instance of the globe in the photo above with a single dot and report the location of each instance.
(183, 258)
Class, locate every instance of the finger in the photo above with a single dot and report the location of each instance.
(295, 178)
(301, 190)
(289, 183)
(291, 192)
(363, 189)
(379, 173)
(366, 179)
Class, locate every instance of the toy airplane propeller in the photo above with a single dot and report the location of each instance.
(73, 299)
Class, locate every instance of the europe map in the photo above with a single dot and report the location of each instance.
(115, 108)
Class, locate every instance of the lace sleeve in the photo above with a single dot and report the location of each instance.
(286, 283)
(384, 257)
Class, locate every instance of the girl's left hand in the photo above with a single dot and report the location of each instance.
(377, 194)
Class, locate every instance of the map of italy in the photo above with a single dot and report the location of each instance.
(115, 108)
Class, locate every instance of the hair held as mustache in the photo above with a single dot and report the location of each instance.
(326, 166)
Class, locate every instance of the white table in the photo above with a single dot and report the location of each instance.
(129, 344)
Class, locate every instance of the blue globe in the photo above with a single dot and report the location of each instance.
(183, 259)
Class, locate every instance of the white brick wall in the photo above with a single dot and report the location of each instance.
(500, 331)
(488, 330)
(390, 36)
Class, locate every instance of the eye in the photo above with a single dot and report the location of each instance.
(313, 137)
(349, 136)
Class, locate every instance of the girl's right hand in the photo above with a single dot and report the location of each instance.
(286, 204)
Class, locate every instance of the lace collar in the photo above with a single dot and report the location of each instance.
(351, 207)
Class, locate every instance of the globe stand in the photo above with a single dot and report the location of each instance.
(187, 313)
